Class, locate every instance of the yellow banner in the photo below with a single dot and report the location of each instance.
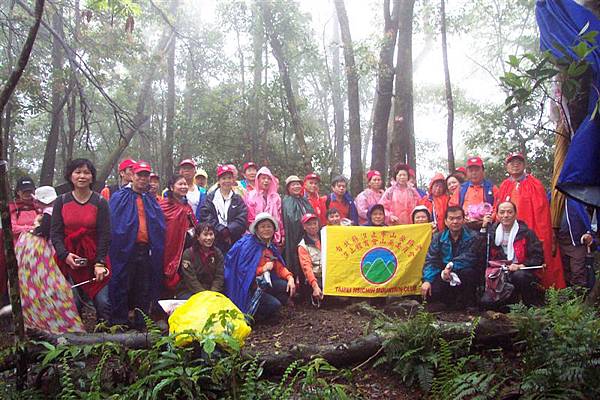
(366, 261)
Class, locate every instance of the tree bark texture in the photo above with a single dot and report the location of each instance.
(402, 147)
(282, 63)
(354, 134)
(167, 159)
(9, 251)
(6, 116)
(258, 41)
(385, 87)
(449, 100)
(188, 108)
(336, 96)
(58, 89)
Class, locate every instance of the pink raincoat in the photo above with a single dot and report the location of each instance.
(258, 201)
(364, 201)
(399, 201)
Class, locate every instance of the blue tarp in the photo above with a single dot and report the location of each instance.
(560, 22)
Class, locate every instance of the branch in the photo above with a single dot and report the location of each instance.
(77, 62)
(15, 76)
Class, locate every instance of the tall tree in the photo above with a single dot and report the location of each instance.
(356, 169)
(141, 117)
(402, 146)
(258, 42)
(58, 101)
(449, 100)
(6, 116)
(167, 159)
(282, 63)
(7, 237)
(385, 86)
(336, 97)
(71, 132)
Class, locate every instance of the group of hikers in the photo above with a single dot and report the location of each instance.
(131, 244)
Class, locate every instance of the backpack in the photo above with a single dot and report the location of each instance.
(498, 288)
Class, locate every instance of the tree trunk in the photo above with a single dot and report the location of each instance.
(356, 169)
(282, 63)
(402, 147)
(449, 100)
(167, 159)
(368, 135)
(58, 89)
(258, 41)
(336, 97)
(140, 117)
(6, 116)
(72, 103)
(9, 251)
(188, 108)
(385, 86)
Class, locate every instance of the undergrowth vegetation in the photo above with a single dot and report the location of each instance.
(212, 367)
(556, 356)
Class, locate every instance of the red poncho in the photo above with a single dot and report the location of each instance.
(436, 205)
(178, 219)
(533, 208)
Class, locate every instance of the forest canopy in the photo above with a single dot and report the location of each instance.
(232, 81)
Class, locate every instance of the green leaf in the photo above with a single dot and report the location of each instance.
(209, 346)
(590, 36)
(581, 49)
(160, 386)
(51, 356)
(577, 69)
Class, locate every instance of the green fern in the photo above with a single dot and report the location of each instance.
(67, 386)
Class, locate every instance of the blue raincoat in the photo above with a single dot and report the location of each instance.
(240, 268)
(560, 22)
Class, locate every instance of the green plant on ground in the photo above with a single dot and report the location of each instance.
(561, 341)
(209, 367)
(412, 350)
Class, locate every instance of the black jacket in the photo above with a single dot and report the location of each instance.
(528, 248)
(237, 220)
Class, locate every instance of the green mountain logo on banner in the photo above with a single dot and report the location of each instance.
(379, 265)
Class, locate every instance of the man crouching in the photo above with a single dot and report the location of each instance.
(449, 274)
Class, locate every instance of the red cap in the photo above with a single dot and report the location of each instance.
(312, 175)
(515, 155)
(372, 173)
(307, 217)
(141, 166)
(153, 175)
(187, 161)
(249, 164)
(474, 161)
(461, 169)
(126, 164)
(221, 169)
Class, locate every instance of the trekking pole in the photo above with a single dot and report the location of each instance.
(89, 280)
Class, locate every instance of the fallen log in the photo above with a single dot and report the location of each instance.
(130, 340)
(492, 331)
